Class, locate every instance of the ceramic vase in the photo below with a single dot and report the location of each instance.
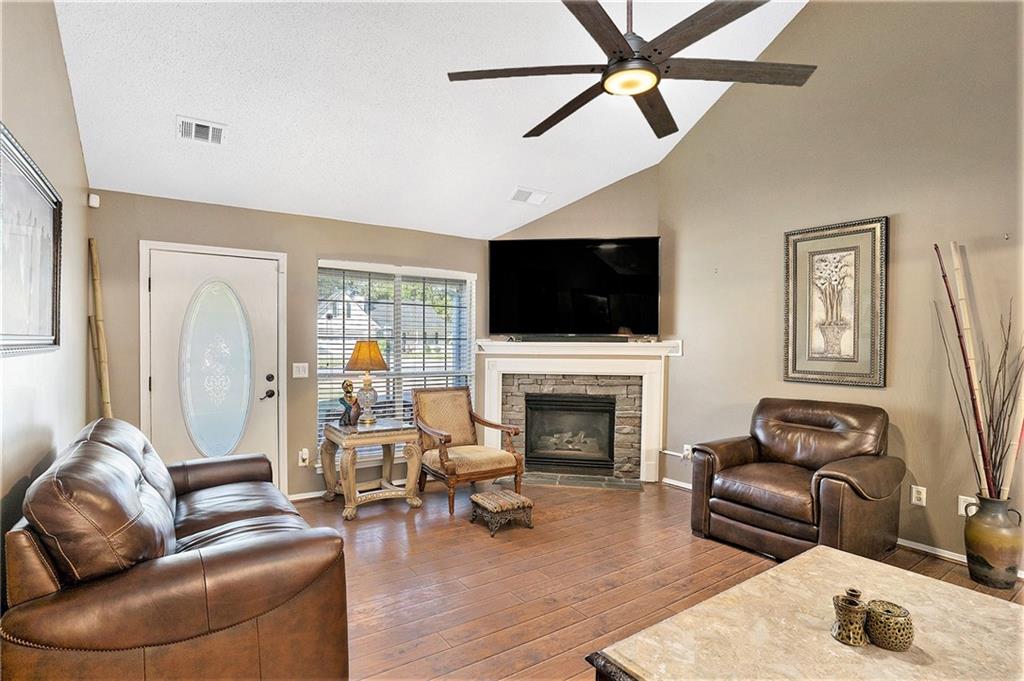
(993, 540)
(889, 626)
(850, 617)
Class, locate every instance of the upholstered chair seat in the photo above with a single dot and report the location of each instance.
(781, 487)
(471, 458)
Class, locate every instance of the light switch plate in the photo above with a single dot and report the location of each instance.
(300, 370)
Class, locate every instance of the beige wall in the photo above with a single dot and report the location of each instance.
(124, 219)
(628, 207)
(42, 394)
(913, 113)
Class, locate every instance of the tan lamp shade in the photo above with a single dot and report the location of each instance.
(366, 357)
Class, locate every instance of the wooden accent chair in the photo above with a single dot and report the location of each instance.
(447, 431)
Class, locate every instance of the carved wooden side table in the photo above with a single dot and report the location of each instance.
(386, 433)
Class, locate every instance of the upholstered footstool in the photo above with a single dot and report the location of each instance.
(500, 507)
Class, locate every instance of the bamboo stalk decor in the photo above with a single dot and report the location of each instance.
(989, 388)
(979, 422)
(99, 333)
(963, 307)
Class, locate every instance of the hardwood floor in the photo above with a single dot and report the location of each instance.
(433, 596)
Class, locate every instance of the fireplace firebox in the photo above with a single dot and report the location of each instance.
(567, 433)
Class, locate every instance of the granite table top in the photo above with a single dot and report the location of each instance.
(777, 626)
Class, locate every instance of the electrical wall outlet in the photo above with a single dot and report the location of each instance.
(918, 495)
(300, 370)
(688, 452)
(304, 457)
(961, 504)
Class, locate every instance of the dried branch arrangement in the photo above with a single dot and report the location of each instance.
(987, 388)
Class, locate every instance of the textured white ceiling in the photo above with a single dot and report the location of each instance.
(344, 110)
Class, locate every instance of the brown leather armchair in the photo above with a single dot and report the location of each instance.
(124, 568)
(809, 473)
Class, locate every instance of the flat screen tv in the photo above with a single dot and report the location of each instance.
(579, 287)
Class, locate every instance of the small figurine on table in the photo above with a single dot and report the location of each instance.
(350, 409)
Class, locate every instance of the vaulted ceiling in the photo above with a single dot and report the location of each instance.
(343, 110)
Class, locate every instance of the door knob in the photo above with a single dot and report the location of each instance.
(269, 393)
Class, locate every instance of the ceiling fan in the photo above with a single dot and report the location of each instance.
(635, 66)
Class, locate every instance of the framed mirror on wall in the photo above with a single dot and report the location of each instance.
(30, 233)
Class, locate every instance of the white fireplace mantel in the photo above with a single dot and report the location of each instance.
(646, 360)
(668, 348)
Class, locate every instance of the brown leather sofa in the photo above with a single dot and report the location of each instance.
(809, 473)
(124, 568)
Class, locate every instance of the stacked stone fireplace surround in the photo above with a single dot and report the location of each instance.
(626, 390)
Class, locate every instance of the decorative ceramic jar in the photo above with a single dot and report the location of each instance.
(889, 626)
(993, 542)
(849, 625)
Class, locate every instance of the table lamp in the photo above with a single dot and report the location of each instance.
(366, 357)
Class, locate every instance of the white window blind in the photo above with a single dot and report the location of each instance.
(423, 326)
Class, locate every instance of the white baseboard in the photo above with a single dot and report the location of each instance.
(941, 553)
(304, 495)
(677, 483)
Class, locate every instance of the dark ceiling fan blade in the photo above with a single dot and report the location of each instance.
(700, 24)
(766, 73)
(569, 108)
(527, 71)
(656, 112)
(600, 27)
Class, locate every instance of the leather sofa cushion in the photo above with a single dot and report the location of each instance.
(471, 459)
(764, 520)
(104, 505)
(247, 529)
(213, 506)
(778, 488)
(812, 434)
(131, 442)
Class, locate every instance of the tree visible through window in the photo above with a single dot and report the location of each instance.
(422, 325)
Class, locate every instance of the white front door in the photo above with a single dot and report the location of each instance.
(213, 355)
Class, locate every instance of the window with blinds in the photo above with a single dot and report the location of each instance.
(423, 326)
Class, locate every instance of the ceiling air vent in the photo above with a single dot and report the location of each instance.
(200, 131)
(534, 197)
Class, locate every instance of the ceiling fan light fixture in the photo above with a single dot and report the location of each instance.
(630, 77)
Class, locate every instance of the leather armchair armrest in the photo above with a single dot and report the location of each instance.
(194, 474)
(710, 458)
(733, 451)
(179, 596)
(872, 477)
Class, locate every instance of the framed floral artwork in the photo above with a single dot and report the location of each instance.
(835, 303)
(29, 252)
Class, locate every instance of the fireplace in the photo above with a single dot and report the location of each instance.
(570, 433)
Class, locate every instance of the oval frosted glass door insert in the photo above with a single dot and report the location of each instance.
(215, 373)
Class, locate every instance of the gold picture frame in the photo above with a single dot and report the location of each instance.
(835, 303)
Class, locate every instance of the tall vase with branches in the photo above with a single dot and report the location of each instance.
(987, 387)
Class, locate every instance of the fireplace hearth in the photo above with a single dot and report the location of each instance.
(568, 433)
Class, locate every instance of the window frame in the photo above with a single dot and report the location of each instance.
(401, 271)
